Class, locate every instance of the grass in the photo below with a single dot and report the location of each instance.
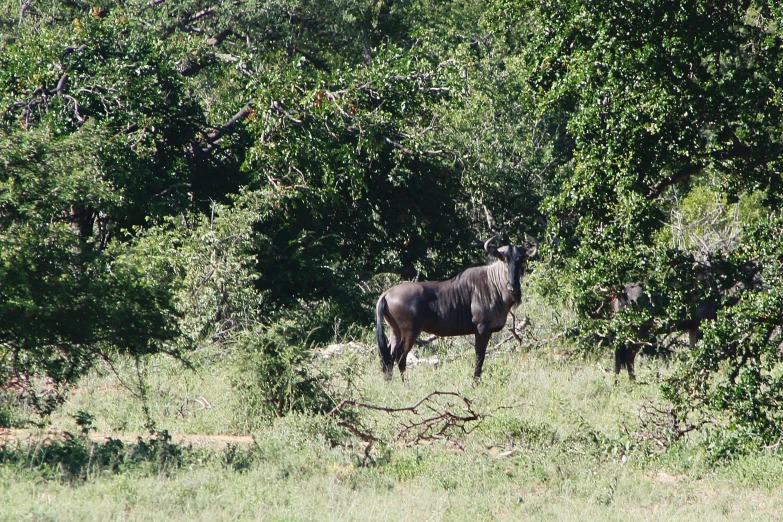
(560, 445)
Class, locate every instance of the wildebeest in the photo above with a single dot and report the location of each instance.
(475, 301)
(625, 352)
(743, 277)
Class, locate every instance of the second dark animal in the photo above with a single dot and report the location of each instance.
(734, 280)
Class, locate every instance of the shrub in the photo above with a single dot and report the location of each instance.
(734, 375)
(276, 375)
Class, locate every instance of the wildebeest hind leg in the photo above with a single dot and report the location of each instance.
(394, 343)
(401, 356)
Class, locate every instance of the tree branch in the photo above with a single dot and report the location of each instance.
(172, 189)
(75, 107)
(23, 7)
(243, 113)
(184, 22)
(397, 145)
(736, 151)
(675, 178)
(276, 105)
(214, 137)
(222, 35)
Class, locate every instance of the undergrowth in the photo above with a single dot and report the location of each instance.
(553, 434)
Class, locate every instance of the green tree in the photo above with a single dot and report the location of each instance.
(356, 192)
(733, 376)
(67, 299)
(506, 154)
(659, 99)
(96, 136)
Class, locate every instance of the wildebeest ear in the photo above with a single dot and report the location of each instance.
(503, 251)
(532, 251)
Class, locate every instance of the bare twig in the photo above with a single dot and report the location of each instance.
(664, 425)
(431, 419)
(513, 333)
(364, 435)
(525, 323)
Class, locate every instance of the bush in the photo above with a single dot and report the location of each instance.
(276, 375)
(76, 457)
(208, 257)
(734, 375)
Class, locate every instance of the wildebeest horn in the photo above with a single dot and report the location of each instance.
(492, 249)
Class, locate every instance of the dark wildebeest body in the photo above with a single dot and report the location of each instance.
(705, 310)
(475, 301)
(625, 354)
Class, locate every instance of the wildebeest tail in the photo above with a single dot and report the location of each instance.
(380, 336)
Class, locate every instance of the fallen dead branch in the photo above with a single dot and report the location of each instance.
(664, 426)
(438, 416)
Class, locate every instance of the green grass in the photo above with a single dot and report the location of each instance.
(560, 445)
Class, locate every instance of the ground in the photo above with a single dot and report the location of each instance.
(560, 441)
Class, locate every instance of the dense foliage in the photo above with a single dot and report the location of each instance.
(661, 103)
(175, 173)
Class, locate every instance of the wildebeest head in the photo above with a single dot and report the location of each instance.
(514, 257)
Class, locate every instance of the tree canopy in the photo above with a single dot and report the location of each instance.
(661, 105)
(173, 171)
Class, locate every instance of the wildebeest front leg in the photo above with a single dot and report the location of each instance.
(482, 339)
(625, 357)
(631, 361)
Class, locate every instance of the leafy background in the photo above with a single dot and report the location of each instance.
(175, 175)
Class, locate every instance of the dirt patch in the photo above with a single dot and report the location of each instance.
(34, 436)
(665, 478)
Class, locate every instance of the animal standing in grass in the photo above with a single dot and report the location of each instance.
(475, 301)
(726, 281)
